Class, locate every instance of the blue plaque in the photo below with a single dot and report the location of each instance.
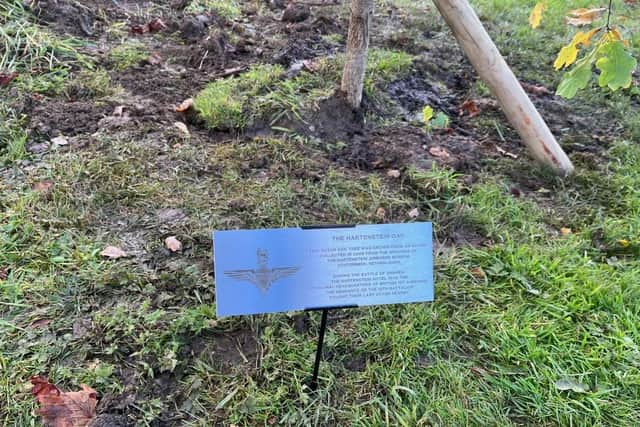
(266, 271)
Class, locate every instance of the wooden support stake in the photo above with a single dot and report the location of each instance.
(504, 85)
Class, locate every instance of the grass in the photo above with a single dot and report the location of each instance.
(127, 54)
(228, 9)
(262, 94)
(519, 314)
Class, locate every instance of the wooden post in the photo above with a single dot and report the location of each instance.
(495, 72)
(355, 62)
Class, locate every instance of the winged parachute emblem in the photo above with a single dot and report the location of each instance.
(262, 277)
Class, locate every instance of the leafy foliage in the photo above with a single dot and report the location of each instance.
(609, 53)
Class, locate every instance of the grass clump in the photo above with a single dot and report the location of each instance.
(127, 55)
(231, 103)
(228, 9)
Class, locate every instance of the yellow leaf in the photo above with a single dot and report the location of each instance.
(536, 14)
(624, 243)
(565, 231)
(567, 56)
(427, 114)
(569, 53)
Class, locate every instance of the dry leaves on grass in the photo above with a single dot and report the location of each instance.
(113, 252)
(173, 244)
(64, 409)
(414, 213)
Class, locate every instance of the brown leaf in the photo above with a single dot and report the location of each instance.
(173, 244)
(43, 187)
(64, 409)
(113, 252)
(154, 58)
(565, 231)
(478, 272)
(41, 323)
(505, 152)
(156, 25)
(185, 105)
(582, 16)
(4, 273)
(139, 29)
(381, 213)
(182, 128)
(414, 213)
(438, 151)
(6, 78)
(535, 89)
(393, 173)
(469, 107)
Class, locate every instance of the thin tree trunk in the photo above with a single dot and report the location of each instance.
(355, 63)
(504, 85)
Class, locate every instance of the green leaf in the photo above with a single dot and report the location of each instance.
(440, 121)
(574, 80)
(615, 65)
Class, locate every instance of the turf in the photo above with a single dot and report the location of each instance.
(535, 320)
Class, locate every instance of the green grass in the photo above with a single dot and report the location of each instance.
(262, 94)
(127, 54)
(228, 9)
(521, 310)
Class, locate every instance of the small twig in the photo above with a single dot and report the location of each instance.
(609, 15)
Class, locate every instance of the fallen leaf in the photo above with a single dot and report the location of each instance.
(173, 244)
(154, 58)
(64, 409)
(4, 273)
(478, 272)
(311, 65)
(381, 213)
(41, 323)
(185, 105)
(113, 252)
(582, 16)
(535, 89)
(414, 213)
(565, 231)
(393, 173)
(516, 192)
(59, 141)
(505, 152)
(139, 29)
(43, 187)
(480, 372)
(6, 78)
(182, 128)
(469, 107)
(569, 384)
(156, 25)
(117, 111)
(624, 243)
(438, 151)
